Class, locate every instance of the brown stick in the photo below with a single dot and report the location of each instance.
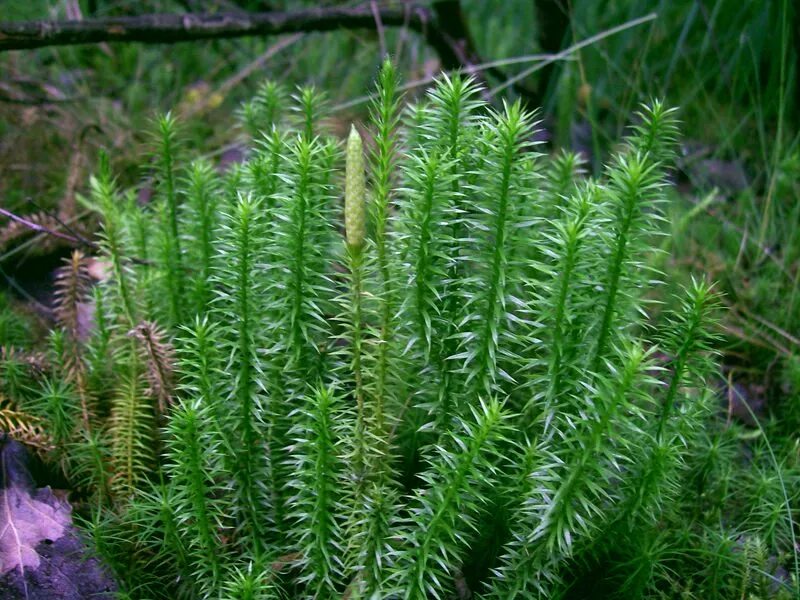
(40, 228)
(172, 28)
(442, 26)
(76, 240)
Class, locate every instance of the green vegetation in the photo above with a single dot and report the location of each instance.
(462, 390)
(508, 341)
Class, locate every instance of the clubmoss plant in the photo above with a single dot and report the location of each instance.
(447, 383)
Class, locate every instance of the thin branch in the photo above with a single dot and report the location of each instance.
(442, 25)
(574, 48)
(173, 28)
(243, 74)
(540, 61)
(34, 240)
(76, 240)
(379, 26)
(40, 228)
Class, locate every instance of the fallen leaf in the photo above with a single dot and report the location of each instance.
(41, 554)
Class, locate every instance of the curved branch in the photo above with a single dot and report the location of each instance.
(173, 28)
(442, 25)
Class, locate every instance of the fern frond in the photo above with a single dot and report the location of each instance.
(18, 367)
(88, 459)
(635, 192)
(159, 360)
(195, 466)
(505, 173)
(56, 403)
(105, 197)
(557, 301)
(661, 450)
(201, 214)
(23, 427)
(238, 309)
(385, 116)
(171, 255)
(316, 487)
(263, 112)
(310, 106)
(252, 582)
(132, 434)
(450, 126)
(562, 177)
(446, 512)
(72, 283)
(570, 484)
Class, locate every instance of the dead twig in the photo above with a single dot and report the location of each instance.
(42, 229)
(442, 25)
(76, 240)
